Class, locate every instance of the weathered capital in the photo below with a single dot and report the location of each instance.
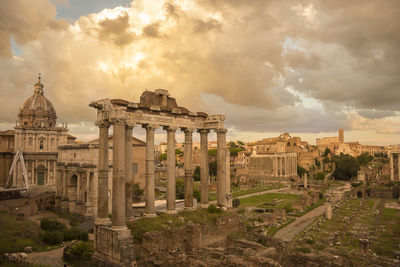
(103, 123)
(170, 128)
(150, 127)
(203, 131)
(187, 130)
(221, 130)
(130, 124)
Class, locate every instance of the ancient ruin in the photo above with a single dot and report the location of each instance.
(113, 241)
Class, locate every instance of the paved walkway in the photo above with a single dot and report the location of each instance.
(48, 258)
(289, 232)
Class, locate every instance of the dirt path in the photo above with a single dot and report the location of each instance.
(48, 258)
(289, 232)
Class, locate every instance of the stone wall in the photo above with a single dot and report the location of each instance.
(190, 236)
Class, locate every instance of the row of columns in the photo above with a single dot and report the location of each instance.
(122, 171)
(285, 166)
(392, 165)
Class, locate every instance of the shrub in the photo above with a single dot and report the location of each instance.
(236, 202)
(196, 174)
(82, 249)
(180, 188)
(213, 209)
(197, 195)
(51, 225)
(75, 234)
(320, 176)
(53, 237)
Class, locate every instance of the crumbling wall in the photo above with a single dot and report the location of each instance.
(190, 236)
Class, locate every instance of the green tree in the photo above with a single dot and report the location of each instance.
(240, 143)
(235, 150)
(326, 152)
(346, 167)
(320, 176)
(317, 163)
(196, 173)
(162, 157)
(180, 189)
(212, 152)
(301, 171)
(364, 159)
(212, 168)
(232, 144)
(178, 151)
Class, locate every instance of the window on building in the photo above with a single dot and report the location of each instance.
(41, 145)
(134, 168)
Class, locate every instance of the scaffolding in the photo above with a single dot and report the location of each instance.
(16, 190)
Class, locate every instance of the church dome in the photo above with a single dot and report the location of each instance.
(37, 111)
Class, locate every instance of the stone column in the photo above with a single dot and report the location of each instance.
(118, 185)
(48, 172)
(391, 167)
(228, 179)
(221, 167)
(188, 168)
(204, 167)
(102, 184)
(280, 167)
(171, 170)
(149, 190)
(305, 180)
(78, 186)
(88, 205)
(398, 166)
(129, 172)
(275, 166)
(65, 186)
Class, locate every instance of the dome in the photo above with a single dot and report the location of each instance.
(37, 111)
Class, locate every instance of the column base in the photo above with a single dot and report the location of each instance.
(189, 208)
(204, 206)
(171, 212)
(150, 215)
(113, 247)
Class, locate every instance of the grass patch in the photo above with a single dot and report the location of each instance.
(200, 216)
(16, 233)
(390, 238)
(265, 200)
(237, 192)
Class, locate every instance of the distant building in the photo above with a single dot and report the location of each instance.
(37, 134)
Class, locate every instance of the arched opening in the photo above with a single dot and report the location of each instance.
(359, 194)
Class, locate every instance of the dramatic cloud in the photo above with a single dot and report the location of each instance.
(305, 66)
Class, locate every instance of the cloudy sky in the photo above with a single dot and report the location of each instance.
(304, 67)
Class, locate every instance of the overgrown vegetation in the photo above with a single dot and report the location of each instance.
(79, 253)
(269, 200)
(390, 237)
(346, 167)
(16, 233)
(201, 216)
(56, 232)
